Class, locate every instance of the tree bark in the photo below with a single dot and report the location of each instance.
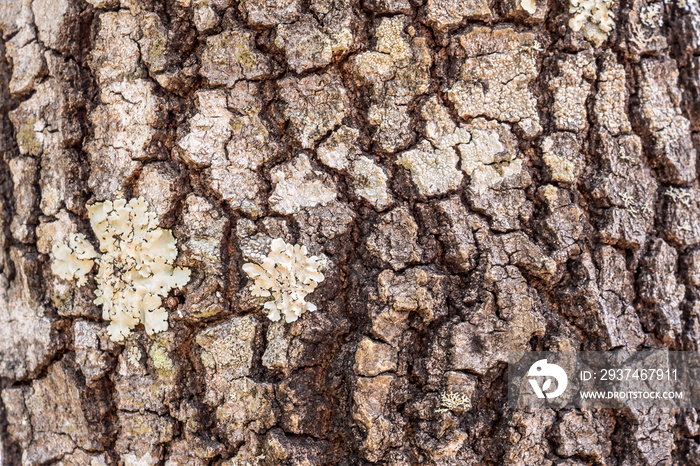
(475, 177)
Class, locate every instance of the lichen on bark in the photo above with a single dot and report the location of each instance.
(471, 177)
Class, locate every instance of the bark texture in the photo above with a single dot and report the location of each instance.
(476, 177)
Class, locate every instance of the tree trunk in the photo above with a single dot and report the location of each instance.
(474, 177)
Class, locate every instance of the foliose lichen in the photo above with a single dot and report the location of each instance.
(286, 275)
(454, 401)
(135, 265)
(593, 17)
(73, 260)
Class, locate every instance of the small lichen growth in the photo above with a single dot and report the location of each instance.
(678, 195)
(286, 275)
(433, 170)
(529, 6)
(685, 226)
(636, 209)
(257, 460)
(454, 401)
(135, 265)
(161, 360)
(133, 356)
(652, 16)
(594, 17)
(27, 140)
(686, 5)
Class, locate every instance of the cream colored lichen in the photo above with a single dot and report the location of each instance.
(486, 160)
(687, 5)
(593, 17)
(652, 15)
(559, 163)
(529, 6)
(433, 170)
(369, 182)
(286, 275)
(74, 259)
(133, 356)
(367, 179)
(135, 265)
(679, 195)
(454, 401)
(298, 186)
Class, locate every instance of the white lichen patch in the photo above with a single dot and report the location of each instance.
(529, 6)
(497, 67)
(454, 401)
(228, 138)
(561, 156)
(286, 275)
(611, 98)
(434, 171)
(367, 179)
(135, 265)
(299, 186)
(652, 15)
(340, 148)
(440, 130)
(594, 18)
(433, 163)
(679, 195)
(396, 70)
(570, 90)
(485, 158)
(134, 356)
(687, 5)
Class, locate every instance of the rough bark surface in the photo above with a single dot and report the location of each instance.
(477, 178)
